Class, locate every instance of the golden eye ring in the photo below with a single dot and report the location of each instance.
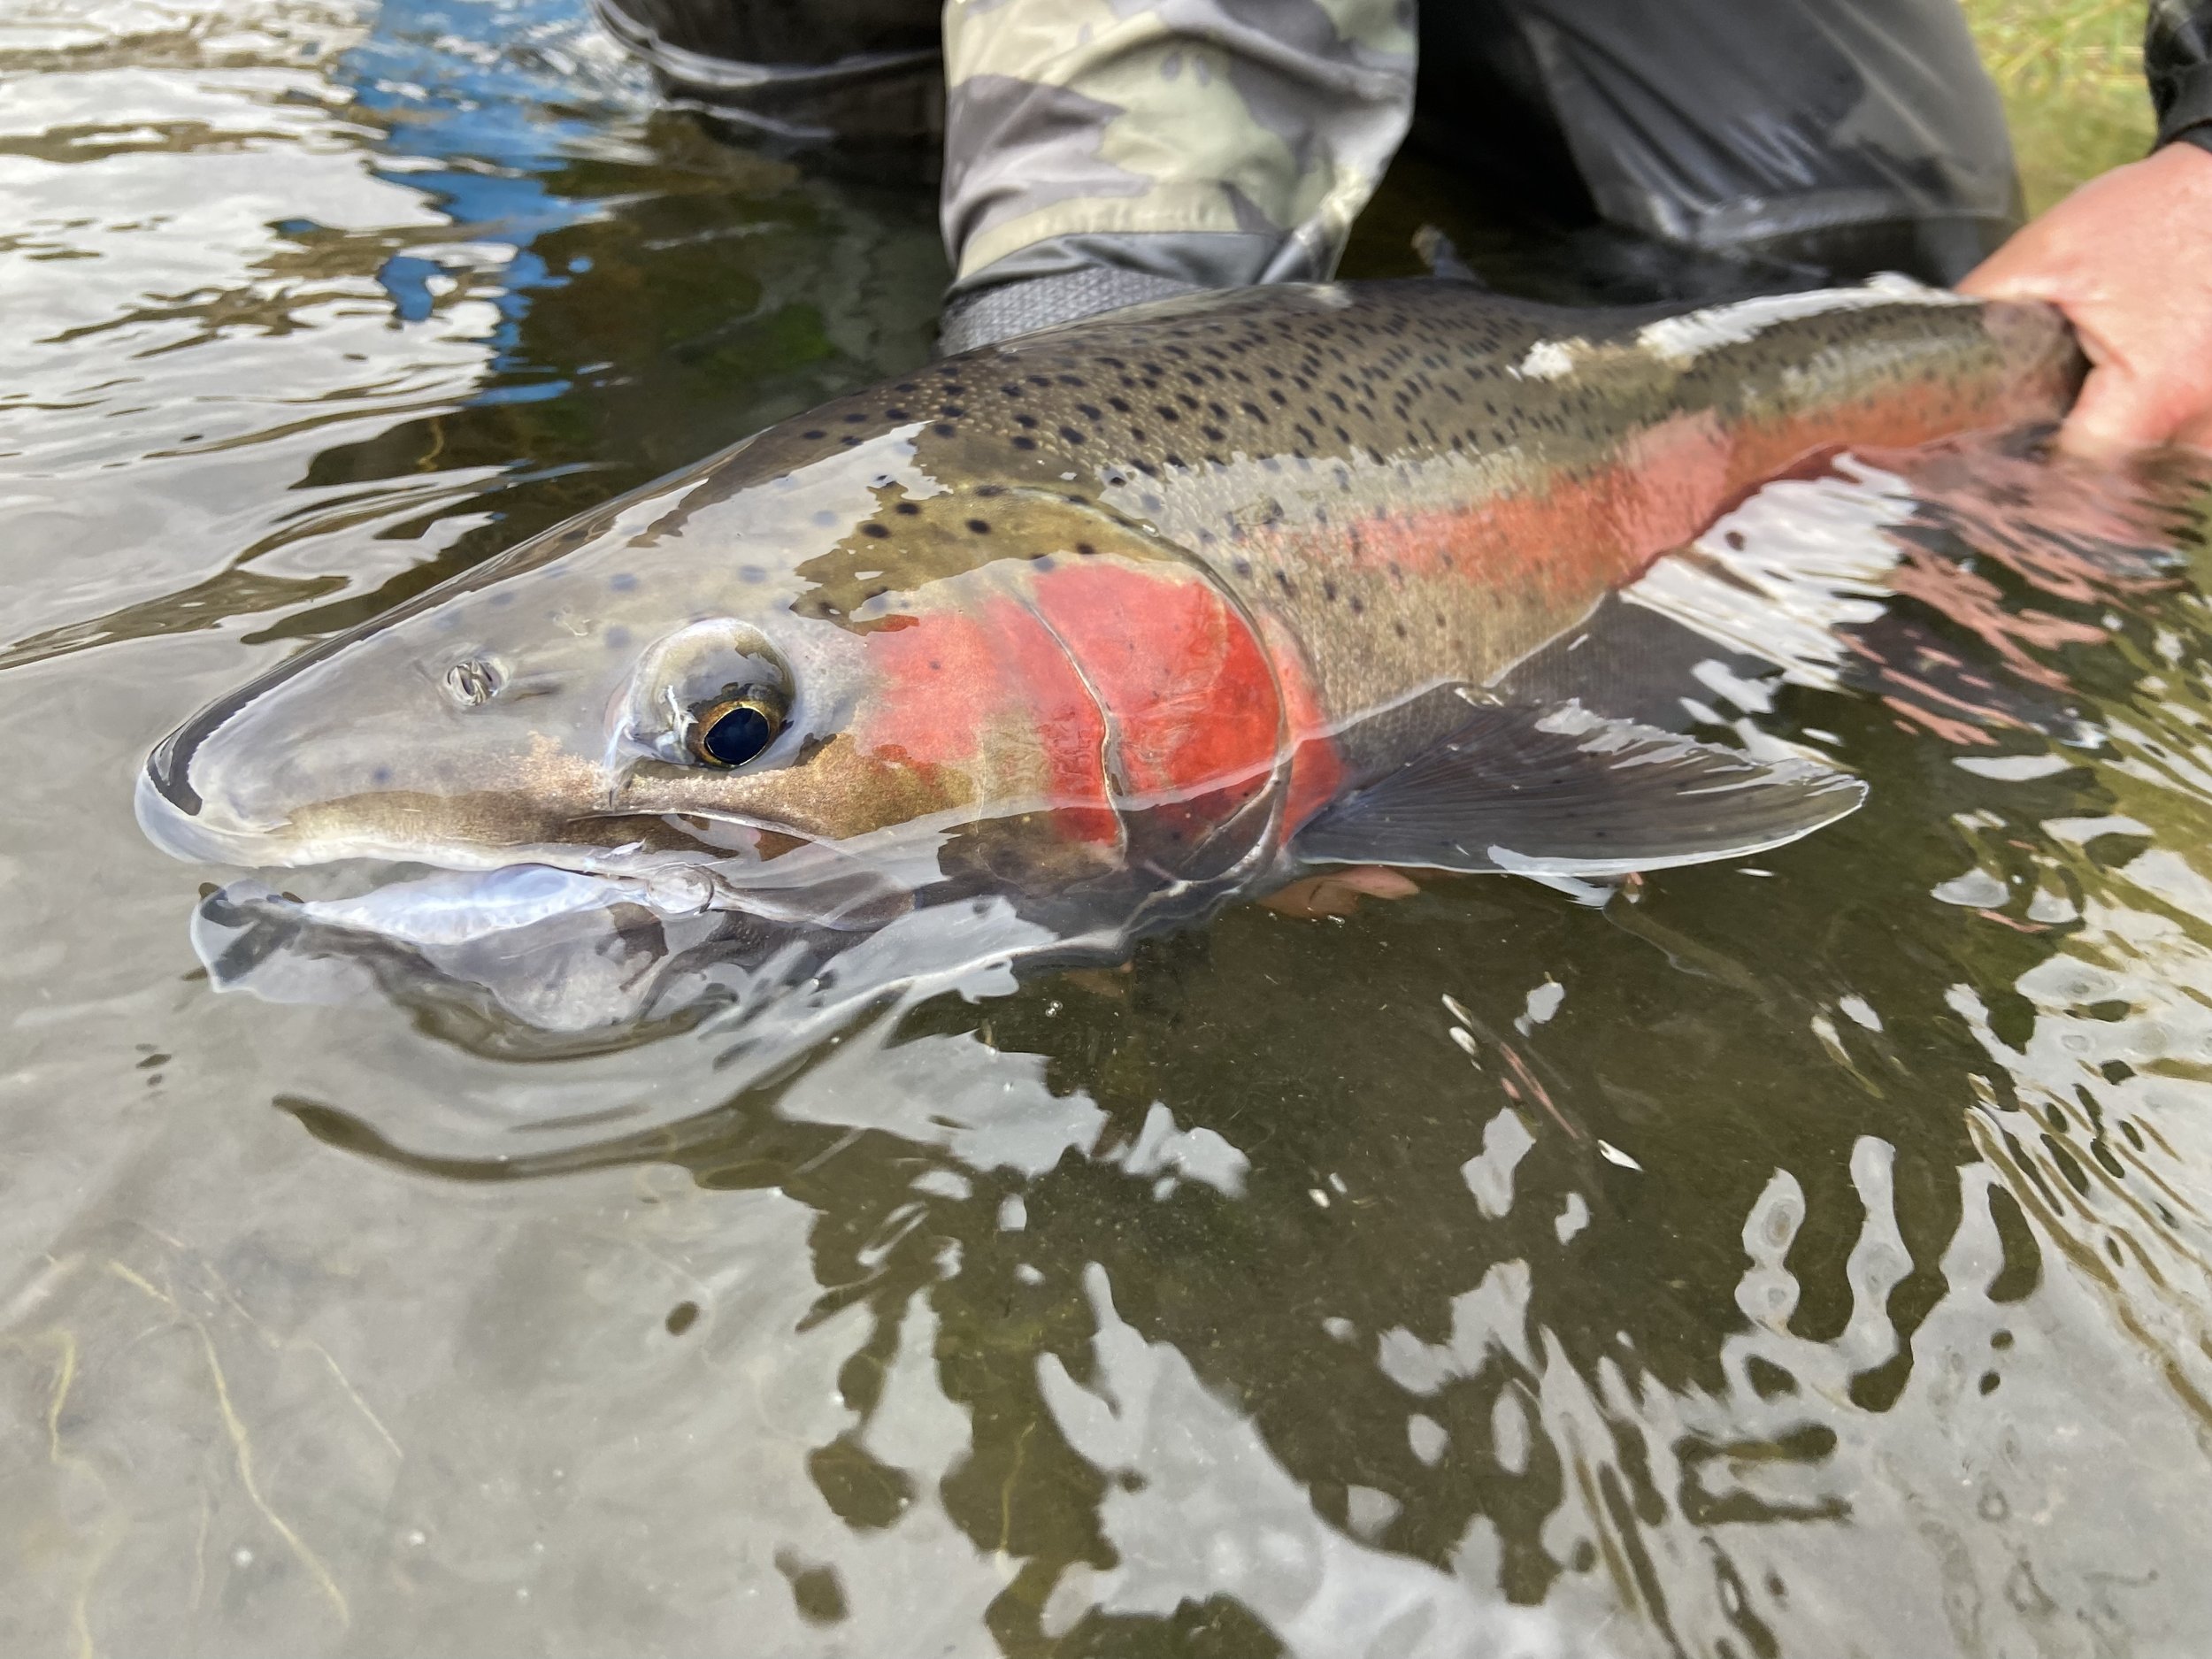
(735, 727)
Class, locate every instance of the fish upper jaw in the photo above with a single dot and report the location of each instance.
(202, 836)
(824, 884)
(185, 830)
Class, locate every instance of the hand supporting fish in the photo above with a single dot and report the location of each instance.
(1080, 636)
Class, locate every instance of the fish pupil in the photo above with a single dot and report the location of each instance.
(740, 734)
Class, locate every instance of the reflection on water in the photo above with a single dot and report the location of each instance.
(1787, 1259)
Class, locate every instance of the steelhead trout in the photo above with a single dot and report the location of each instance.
(1078, 636)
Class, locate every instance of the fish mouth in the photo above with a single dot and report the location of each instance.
(522, 958)
(546, 951)
(525, 961)
(441, 893)
(533, 949)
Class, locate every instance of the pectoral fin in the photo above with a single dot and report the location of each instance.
(1562, 792)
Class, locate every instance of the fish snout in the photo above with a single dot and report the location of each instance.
(172, 820)
(391, 744)
(176, 814)
(168, 770)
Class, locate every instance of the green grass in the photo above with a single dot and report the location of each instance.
(2071, 74)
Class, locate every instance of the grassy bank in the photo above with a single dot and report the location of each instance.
(2071, 74)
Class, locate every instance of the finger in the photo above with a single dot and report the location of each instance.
(2115, 413)
(2008, 274)
(1338, 892)
(1377, 882)
(1312, 896)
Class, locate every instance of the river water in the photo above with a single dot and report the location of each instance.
(1806, 1257)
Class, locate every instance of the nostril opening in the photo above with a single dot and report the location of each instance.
(472, 682)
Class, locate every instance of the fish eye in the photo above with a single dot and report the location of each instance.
(715, 693)
(737, 725)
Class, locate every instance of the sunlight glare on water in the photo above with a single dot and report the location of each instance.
(1795, 1257)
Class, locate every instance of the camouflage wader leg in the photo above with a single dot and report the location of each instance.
(1099, 152)
(1104, 151)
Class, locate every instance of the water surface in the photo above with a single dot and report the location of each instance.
(1806, 1257)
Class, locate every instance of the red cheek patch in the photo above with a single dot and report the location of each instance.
(1126, 688)
(1316, 772)
(982, 695)
(1190, 691)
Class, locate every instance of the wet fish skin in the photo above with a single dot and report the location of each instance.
(1100, 616)
(1412, 482)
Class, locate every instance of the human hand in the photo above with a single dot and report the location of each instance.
(1338, 892)
(2128, 257)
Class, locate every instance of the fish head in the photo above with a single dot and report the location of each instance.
(803, 700)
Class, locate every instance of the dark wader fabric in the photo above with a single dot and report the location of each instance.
(1838, 137)
(1100, 152)
(2177, 62)
(1721, 144)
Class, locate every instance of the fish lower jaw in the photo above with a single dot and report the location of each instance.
(364, 876)
(446, 896)
(450, 907)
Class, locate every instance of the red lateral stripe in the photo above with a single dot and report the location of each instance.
(1579, 533)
